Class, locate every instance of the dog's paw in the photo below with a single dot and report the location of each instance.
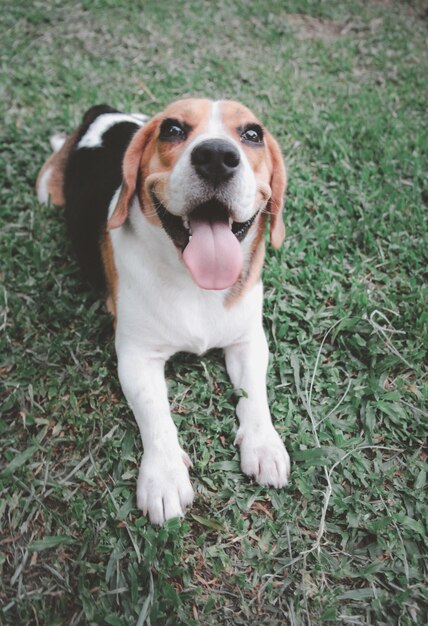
(163, 489)
(264, 456)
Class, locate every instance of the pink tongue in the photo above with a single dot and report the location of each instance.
(213, 256)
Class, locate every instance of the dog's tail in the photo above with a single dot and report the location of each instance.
(57, 141)
(50, 181)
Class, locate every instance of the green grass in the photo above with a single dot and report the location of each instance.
(343, 86)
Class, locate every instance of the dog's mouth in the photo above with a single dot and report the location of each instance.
(209, 241)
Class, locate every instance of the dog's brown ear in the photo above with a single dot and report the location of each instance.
(278, 184)
(130, 167)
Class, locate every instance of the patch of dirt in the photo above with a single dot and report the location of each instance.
(308, 27)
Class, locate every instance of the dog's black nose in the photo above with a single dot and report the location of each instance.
(215, 160)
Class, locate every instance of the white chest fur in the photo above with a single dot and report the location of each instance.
(160, 306)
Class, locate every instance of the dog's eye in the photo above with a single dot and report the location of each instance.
(252, 134)
(173, 130)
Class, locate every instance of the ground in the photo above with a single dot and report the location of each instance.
(343, 87)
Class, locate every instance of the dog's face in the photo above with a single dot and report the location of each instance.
(205, 172)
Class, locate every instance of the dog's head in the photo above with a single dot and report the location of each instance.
(205, 172)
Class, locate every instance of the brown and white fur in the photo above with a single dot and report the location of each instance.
(158, 308)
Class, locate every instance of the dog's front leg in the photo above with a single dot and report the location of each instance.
(263, 455)
(163, 488)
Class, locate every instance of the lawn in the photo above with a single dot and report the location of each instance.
(343, 86)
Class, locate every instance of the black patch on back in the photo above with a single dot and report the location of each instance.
(92, 175)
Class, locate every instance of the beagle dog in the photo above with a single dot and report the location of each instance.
(167, 215)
